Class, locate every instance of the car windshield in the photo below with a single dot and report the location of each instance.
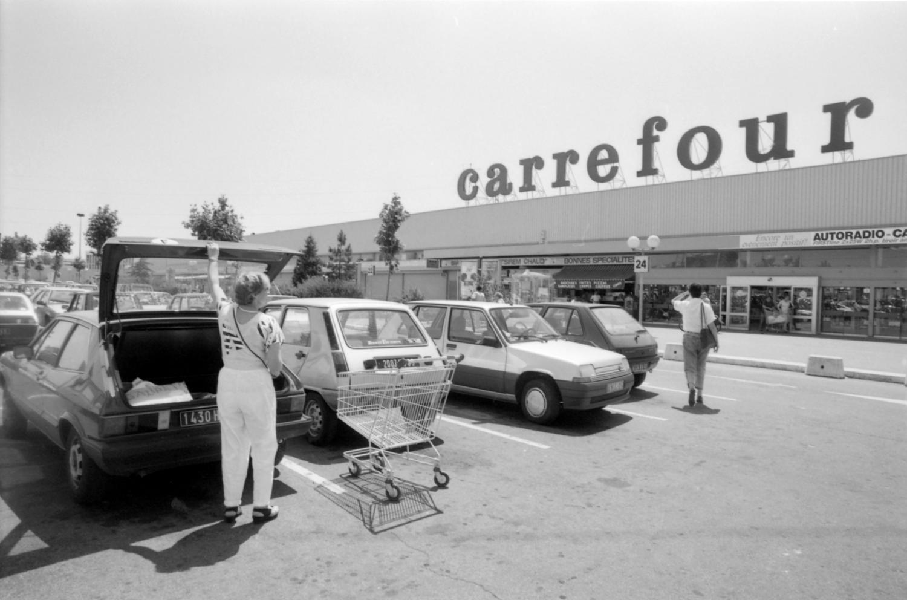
(60, 296)
(616, 321)
(521, 323)
(379, 328)
(13, 303)
(142, 281)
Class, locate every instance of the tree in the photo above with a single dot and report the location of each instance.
(39, 267)
(308, 265)
(27, 246)
(212, 222)
(142, 271)
(59, 242)
(340, 261)
(9, 252)
(392, 217)
(102, 226)
(79, 265)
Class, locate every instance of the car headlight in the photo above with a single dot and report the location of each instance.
(624, 364)
(586, 373)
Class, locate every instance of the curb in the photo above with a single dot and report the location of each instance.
(780, 365)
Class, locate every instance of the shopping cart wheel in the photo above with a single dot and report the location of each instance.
(391, 491)
(441, 478)
(354, 469)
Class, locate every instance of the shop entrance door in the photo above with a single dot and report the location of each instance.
(745, 296)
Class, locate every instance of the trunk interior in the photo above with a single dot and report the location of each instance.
(171, 353)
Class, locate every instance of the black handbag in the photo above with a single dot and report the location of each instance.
(707, 339)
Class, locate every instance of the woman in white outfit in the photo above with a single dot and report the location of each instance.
(246, 400)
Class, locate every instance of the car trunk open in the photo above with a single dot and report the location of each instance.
(168, 352)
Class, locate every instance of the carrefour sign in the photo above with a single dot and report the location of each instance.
(831, 237)
(603, 160)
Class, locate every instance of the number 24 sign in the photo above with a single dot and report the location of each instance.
(641, 264)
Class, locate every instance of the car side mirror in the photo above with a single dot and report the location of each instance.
(25, 352)
(491, 341)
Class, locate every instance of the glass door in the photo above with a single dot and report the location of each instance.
(803, 309)
(722, 303)
(738, 308)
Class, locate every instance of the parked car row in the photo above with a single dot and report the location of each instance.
(78, 380)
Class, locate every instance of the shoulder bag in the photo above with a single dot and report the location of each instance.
(706, 337)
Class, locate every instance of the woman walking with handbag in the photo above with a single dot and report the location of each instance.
(699, 335)
(246, 400)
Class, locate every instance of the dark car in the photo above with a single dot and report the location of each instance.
(18, 320)
(605, 326)
(132, 391)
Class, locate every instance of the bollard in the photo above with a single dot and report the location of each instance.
(825, 366)
(673, 352)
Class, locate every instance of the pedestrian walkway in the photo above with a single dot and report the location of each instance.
(864, 359)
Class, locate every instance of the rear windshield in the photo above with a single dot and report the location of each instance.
(13, 303)
(60, 296)
(617, 321)
(373, 328)
(149, 283)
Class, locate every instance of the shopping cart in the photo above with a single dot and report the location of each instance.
(395, 409)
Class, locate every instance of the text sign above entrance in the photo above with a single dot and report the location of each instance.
(563, 261)
(833, 237)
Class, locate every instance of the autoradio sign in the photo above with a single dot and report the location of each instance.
(820, 239)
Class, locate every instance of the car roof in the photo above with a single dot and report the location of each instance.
(575, 304)
(330, 302)
(466, 303)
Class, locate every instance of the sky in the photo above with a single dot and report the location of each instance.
(311, 113)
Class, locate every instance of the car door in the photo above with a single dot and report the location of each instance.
(297, 332)
(67, 379)
(32, 384)
(469, 332)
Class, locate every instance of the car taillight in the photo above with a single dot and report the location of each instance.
(297, 403)
(340, 365)
(126, 424)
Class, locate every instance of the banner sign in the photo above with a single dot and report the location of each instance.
(563, 261)
(823, 239)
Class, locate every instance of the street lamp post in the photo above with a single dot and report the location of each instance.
(641, 264)
(80, 215)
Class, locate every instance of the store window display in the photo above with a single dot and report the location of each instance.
(845, 310)
(889, 312)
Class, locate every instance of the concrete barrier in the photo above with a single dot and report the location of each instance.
(673, 352)
(825, 366)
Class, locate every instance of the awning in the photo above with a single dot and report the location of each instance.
(593, 277)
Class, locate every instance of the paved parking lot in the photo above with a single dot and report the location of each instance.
(785, 486)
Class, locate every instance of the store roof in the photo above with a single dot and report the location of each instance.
(593, 276)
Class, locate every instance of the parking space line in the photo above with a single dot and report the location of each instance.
(462, 423)
(877, 398)
(685, 392)
(317, 479)
(633, 414)
(753, 381)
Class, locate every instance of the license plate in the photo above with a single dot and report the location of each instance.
(202, 416)
(390, 363)
(615, 387)
(640, 367)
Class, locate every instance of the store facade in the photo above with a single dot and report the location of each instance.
(833, 238)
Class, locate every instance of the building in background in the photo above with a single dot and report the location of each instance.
(833, 237)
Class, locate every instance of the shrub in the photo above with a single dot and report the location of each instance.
(411, 295)
(320, 288)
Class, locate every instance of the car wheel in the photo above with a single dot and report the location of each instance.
(324, 420)
(540, 401)
(638, 379)
(86, 480)
(14, 423)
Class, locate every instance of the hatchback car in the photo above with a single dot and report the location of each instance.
(131, 391)
(327, 337)
(191, 301)
(604, 326)
(510, 353)
(53, 301)
(18, 320)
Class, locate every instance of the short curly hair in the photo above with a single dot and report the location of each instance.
(249, 285)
